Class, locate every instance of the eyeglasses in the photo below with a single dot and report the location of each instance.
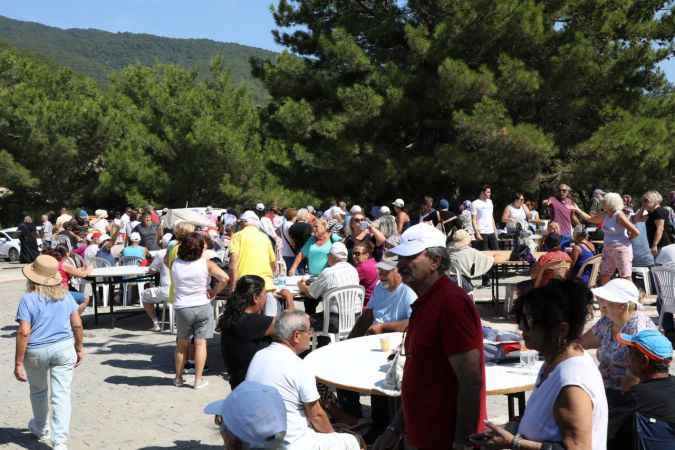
(358, 253)
(357, 219)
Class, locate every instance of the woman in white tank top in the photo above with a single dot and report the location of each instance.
(190, 276)
(516, 213)
(568, 407)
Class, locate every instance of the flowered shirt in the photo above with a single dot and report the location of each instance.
(613, 357)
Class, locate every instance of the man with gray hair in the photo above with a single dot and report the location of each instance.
(338, 273)
(279, 366)
(443, 389)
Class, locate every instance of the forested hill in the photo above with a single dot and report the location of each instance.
(96, 53)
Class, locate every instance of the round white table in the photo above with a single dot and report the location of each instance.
(359, 365)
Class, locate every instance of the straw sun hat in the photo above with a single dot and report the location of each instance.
(44, 271)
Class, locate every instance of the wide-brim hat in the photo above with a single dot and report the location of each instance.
(460, 239)
(43, 271)
(618, 290)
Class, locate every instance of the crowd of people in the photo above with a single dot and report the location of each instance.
(416, 272)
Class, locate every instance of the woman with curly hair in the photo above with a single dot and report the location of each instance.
(243, 328)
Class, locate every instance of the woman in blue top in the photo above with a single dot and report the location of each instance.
(48, 348)
(316, 249)
(582, 251)
(135, 249)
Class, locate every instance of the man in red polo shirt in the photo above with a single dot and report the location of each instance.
(443, 390)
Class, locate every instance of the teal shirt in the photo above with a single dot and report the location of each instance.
(317, 255)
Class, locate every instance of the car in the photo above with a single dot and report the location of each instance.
(10, 246)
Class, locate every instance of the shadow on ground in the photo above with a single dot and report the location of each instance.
(185, 445)
(20, 438)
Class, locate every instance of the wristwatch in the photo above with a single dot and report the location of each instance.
(515, 445)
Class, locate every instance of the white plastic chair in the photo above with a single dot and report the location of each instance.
(131, 261)
(349, 301)
(665, 289)
(105, 288)
(166, 306)
(643, 273)
(594, 262)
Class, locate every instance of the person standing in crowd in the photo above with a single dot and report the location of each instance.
(101, 222)
(561, 210)
(244, 329)
(655, 217)
(448, 219)
(280, 367)
(300, 232)
(366, 268)
(149, 232)
(483, 220)
(427, 211)
(190, 274)
(597, 201)
(64, 217)
(67, 271)
(568, 408)
(361, 230)
(446, 338)
(28, 235)
(628, 205)
(516, 213)
(47, 231)
(617, 251)
(288, 248)
(316, 249)
(619, 300)
(466, 218)
(154, 217)
(402, 218)
(49, 345)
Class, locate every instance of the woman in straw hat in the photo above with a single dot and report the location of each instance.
(48, 348)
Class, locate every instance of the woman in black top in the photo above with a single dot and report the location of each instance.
(656, 219)
(243, 328)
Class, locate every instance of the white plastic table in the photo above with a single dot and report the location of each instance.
(116, 275)
(359, 365)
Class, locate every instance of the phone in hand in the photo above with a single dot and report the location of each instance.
(364, 225)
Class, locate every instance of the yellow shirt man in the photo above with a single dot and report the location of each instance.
(251, 253)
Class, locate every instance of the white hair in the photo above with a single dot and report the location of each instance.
(612, 202)
(653, 197)
(288, 323)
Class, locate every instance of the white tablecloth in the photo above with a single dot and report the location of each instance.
(359, 365)
(291, 284)
(119, 271)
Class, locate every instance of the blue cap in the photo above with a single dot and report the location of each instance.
(443, 204)
(651, 343)
(83, 213)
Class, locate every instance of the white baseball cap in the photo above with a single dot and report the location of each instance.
(388, 264)
(384, 210)
(254, 413)
(618, 290)
(135, 237)
(399, 203)
(339, 250)
(250, 217)
(418, 238)
(356, 209)
(260, 207)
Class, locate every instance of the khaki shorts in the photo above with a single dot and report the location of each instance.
(194, 321)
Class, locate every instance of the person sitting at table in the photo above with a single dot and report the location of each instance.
(619, 300)
(279, 366)
(339, 273)
(105, 244)
(68, 270)
(650, 355)
(567, 408)
(194, 315)
(541, 272)
(366, 268)
(134, 248)
(157, 294)
(582, 251)
(466, 260)
(243, 328)
(554, 228)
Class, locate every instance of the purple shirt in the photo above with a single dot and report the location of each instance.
(562, 214)
(368, 277)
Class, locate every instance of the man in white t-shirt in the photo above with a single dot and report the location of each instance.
(279, 366)
(484, 221)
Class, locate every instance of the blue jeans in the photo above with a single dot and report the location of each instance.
(77, 296)
(51, 368)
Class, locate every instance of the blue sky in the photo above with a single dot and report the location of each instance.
(247, 22)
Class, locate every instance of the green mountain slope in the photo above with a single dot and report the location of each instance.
(96, 53)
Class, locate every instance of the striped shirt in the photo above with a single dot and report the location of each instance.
(338, 275)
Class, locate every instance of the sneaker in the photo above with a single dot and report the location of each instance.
(202, 384)
(155, 326)
(178, 382)
(41, 435)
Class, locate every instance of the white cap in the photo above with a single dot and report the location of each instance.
(135, 237)
(339, 250)
(388, 264)
(618, 290)
(166, 239)
(418, 238)
(356, 209)
(254, 413)
(250, 217)
(104, 237)
(399, 203)
(311, 209)
(385, 210)
(101, 213)
(260, 207)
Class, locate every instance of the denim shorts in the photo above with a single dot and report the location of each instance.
(77, 296)
(194, 321)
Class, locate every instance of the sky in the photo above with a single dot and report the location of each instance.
(247, 22)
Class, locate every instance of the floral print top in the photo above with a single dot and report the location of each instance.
(613, 357)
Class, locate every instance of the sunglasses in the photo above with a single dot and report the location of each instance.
(358, 253)
(358, 219)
